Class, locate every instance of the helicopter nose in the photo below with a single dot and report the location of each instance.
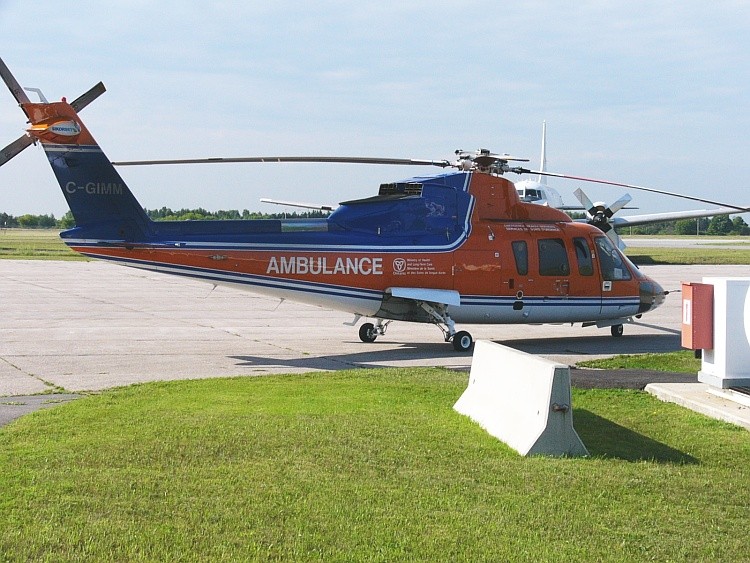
(652, 296)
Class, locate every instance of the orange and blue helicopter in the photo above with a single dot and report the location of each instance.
(459, 247)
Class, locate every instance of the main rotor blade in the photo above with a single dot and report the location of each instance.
(322, 159)
(317, 206)
(642, 188)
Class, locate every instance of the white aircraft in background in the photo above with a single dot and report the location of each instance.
(537, 191)
(599, 213)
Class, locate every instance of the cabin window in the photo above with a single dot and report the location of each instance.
(583, 257)
(610, 261)
(553, 259)
(521, 255)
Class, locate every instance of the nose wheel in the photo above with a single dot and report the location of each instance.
(368, 332)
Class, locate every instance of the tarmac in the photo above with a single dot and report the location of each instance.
(77, 327)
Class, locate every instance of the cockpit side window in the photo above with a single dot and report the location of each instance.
(611, 261)
(521, 255)
(583, 257)
(553, 259)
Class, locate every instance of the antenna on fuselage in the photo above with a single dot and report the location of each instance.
(39, 93)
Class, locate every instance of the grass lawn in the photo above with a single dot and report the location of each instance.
(689, 256)
(35, 244)
(682, 361)
(362, 465)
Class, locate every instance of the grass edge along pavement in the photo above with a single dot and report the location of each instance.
(688, 256)
(680, 361)
(362, 465)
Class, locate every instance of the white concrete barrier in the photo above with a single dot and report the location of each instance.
(728, 364)
(522, 400)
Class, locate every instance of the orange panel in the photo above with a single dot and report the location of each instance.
(697, 316)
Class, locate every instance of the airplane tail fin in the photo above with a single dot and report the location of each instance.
(102, 205)
(543, 164)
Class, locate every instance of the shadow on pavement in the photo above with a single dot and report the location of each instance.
(373, 355)
(597, 345)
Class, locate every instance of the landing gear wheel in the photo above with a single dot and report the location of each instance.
(617, 330)
(462, 341)
(367, 333)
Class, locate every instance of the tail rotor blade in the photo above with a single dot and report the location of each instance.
(85, 99)
(13, 85)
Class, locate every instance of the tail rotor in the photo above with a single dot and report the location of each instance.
(15, 88)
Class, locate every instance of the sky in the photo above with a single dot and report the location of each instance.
(649, 93)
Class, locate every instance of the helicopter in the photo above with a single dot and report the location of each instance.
(455, 247)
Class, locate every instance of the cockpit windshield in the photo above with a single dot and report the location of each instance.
(611, 261)
(530, 194)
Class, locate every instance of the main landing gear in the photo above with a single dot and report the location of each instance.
(462, 340)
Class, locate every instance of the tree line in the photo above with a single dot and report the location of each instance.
(200, 214)
(48, 221)
(719, 225)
